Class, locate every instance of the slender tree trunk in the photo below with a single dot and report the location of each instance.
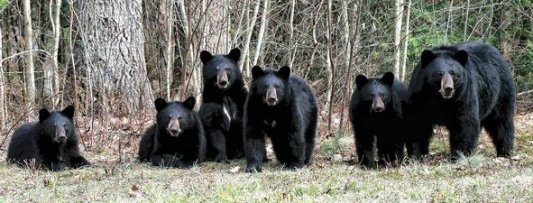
(398, 37)
(245, 61)
(28, 41)
(261, 32)
(406, 40)
(347, 58)
(170, 49)
(2, 87)
(112, 41)
(56, 27)
(329, 65)
(292, 44)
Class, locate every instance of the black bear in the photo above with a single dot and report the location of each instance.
(221, 110)
(376, 111)
(282, 106)
(463, 87)
(51, 142)
(177, 138)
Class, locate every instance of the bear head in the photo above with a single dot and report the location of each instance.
(376, 93)
(444, 71)
(221, 71)
(271, 86)
(58, 126)
(174, 118)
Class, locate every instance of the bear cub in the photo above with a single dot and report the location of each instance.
(376, 112)
(51, 142)
(176, 139)
(221, 111)
(462, 87)
(281, 105)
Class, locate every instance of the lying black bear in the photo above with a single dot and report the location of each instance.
(223, 99)
(376, 111)
(282, 106)
(176, 139)
(52, 142)
(463, 87)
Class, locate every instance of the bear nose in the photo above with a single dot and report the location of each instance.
(272, 100)
(62, 138)
(223, 83)
(448, 90)
(378, 109)
(174, 131)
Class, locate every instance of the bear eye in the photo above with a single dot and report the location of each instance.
(276, 85)
(179, 117)
(452, 72)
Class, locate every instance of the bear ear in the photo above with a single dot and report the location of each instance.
(68, 111)
(257, 72)
(388, 78)
(190, 102)
(426, 57)
(285, 72)
(43, 114)
(235, 54)
(360, 81)
(461, 56)
(160, 103)
(205, 56)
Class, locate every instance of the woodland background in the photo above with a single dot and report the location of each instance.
(112, 58)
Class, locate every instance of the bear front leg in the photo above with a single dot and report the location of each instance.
(296, 149)
(218, 142)
(76, 160)
(418, 138)
(254, 149)
(464, 135)
(364, 144)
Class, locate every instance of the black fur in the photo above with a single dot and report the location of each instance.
(51, 142)
(290, 121)
(483, 95)
(222, 107)
(180, 145)
(385, 122)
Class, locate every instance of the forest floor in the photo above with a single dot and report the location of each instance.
(331, 178)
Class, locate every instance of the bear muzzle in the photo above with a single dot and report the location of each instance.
(222, 79)
(60, 135)
(377, 105)
(173, 127)
(271, 97)
(446, 86)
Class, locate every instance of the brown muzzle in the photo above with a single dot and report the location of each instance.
(222, 79)
(271, 97)
(173, 127)
(446, 86)
(377, 105)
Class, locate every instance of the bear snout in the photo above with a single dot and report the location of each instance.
(60, 135)
(446, 86)
(222, 79)
(271, 97)
(173, 127)
(377, 105)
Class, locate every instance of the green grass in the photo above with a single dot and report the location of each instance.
(479, 178)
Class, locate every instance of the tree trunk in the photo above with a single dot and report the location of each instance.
(261, 32)
(28, 41)
(397, 37)
(113, 63)
(2, 89)
(245, 59)
(406, 40)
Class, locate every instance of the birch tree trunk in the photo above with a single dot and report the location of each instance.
(56, 28)
(245, 59)
(112, 40)
(329, 67)
(397, 37)
(406, 40)
(261, 32)
(170, 49)
(28, 41)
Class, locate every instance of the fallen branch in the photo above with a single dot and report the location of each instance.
(524, 93)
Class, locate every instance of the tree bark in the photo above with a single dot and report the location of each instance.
(28, 41)
(245, 61)
(2, 89)
(406, 40)
(261, 32)
(112, 40)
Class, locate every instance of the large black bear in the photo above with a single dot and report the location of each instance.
(376, 111)
(282, 106)
(177, 138)
(463, 87)
(51, 143)
(221, 111)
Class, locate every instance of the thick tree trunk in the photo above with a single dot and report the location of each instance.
(112, 58)
(28, 41)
